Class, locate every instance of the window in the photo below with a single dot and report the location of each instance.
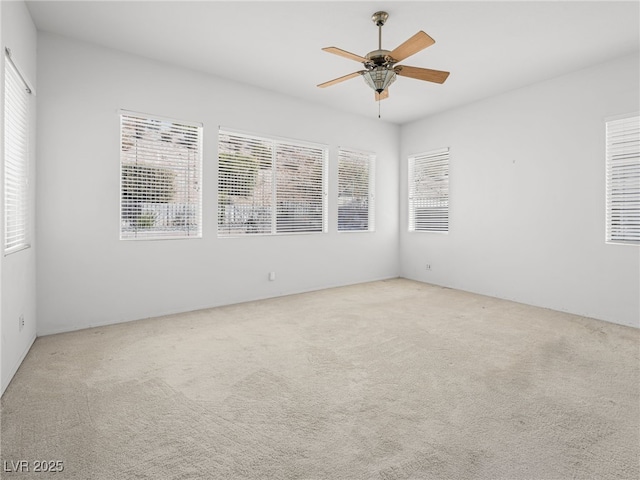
(268, 186)
(356, 180)
(623, 180)
(160, 178)
(16, 159)
(429, 191)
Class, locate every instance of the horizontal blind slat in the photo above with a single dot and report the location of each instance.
(268, 186)
(623, 180)
(16, 160)
(429, 191)
(355, 190)
(161, 166)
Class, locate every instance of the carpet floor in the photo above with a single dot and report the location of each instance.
(385, 380)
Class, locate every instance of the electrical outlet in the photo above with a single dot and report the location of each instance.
(20, 323)
(428, 266)
(272, 276)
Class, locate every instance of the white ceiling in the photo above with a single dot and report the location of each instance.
(489, 47)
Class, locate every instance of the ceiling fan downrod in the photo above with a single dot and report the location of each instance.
(379, 18)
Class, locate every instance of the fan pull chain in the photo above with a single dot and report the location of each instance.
(378, 108)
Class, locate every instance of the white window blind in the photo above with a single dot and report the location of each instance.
(160, 175)
(245, 184)
(356, 182)
(270, 186)
(16, 160)
(429, 191)
(623, 180)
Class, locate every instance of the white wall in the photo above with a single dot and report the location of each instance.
(18, 270)
(527, 211)
(87, 276)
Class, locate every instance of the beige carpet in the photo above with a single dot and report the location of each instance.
(386, 380)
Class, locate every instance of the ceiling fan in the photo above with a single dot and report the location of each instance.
(380, 65)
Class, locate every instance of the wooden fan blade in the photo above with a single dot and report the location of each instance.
(382, 96)
(344, 53)
(426, 74)
(418, 42)
(339, 79)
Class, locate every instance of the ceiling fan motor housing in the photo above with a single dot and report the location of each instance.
(380, 57)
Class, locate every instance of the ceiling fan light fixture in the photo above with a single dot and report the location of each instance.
(379, 78)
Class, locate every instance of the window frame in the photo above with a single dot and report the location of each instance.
(356, 155)
(16, 158)
(159, 234)
(274, 142)
(622, 152)
(436, 163)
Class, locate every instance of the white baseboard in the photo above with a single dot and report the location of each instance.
(16, 366)
(195, 308)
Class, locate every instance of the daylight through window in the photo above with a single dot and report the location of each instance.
(623, 180)
(269, 186)
(16, 159)
(429, 191)
(356, 180)
(160, 162)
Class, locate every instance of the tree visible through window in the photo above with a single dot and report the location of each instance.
(355, 191)
(268, 186)
(160, 167)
